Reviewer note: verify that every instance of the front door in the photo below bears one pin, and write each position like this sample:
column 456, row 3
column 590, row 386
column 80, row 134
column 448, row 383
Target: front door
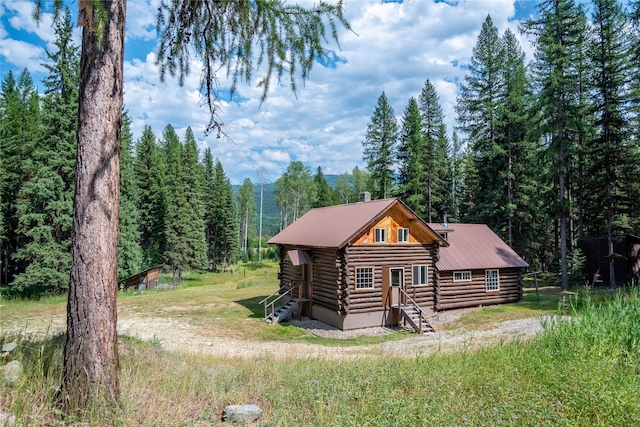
column 396, row 281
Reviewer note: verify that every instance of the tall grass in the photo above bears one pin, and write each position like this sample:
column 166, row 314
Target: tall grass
column 582, row 372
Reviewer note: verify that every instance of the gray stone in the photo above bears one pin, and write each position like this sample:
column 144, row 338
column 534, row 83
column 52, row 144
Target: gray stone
column 7, row 420
column 9, row 347
column 11, row 372
column 241, row 413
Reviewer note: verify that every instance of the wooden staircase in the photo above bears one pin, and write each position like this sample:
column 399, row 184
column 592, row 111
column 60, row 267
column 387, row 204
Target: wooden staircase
column 274, row 313
column 414, row 315
column 283, row 312
column 416, row 318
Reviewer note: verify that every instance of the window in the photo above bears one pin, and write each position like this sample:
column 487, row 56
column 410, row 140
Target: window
column 381, row 235
column 403, row 235
column 364, row 277
column 493, row 280
column 420, row 276
column 461, row 276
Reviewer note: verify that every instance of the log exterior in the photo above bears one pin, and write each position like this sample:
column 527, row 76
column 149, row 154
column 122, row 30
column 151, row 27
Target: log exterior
column 403, row 256
column 458, row 294
column 387, row 236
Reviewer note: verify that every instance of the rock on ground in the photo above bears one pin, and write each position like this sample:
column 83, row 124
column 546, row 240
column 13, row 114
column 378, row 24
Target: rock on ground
column 241, row 413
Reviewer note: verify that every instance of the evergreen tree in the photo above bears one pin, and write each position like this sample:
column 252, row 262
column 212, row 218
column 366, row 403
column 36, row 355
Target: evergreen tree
column 379, row 147
column 224, row 36
column 185, row 223
column 247, row 211
column 229, row 244
column 457, row 178
column 478, row 110
column 435, row 154
column 129, row 250
column 210, row 203
column 609, row 55
column 149, row 169
column 634, row 184
column 518, row 151
column 224, row 217
column 324, row 193
column 45, row 199
column 412, row 159
column 557, row 31
column 19, row 131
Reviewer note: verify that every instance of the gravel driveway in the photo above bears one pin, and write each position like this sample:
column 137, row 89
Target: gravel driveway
column 180, row 336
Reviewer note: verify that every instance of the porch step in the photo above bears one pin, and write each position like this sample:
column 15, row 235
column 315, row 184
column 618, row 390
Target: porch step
column 283, row 312
column 413, row 314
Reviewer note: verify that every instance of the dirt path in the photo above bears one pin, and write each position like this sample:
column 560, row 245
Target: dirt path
column 179, row 336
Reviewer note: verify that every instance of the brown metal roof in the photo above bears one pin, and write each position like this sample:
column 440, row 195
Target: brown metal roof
column 474, row 246
column 335, row 226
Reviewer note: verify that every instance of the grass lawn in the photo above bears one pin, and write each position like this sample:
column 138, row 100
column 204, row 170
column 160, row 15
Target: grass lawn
column 582, row 374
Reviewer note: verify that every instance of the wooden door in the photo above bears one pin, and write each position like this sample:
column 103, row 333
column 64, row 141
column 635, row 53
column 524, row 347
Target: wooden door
column 386, row 302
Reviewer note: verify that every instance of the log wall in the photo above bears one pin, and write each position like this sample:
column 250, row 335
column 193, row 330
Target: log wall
column 393, row 256
column 450, row 294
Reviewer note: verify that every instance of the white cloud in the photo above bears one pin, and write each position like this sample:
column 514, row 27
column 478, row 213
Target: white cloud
column 394, row 47
column 141, row 19
column 23, row 54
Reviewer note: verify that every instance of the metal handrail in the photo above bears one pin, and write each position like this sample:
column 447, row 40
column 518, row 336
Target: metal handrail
column 281, row 295
column 415, row 304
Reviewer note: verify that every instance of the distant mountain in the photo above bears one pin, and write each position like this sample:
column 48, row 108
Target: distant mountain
column 270, row 210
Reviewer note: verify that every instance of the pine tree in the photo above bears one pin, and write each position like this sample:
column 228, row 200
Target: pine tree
column 229, row 243
column 557, row 31
column 247, row 211
column 457, row 177
column 324, row 193
column 185, row 223
column 435, row 155
column 210, row 204
column 478, row 110
column 149, row 168
column 412, row 159
column 129, row 251
column 518, row 151
column 45, row 200
column 224, row 220
column 379, row 147
column 224, row 35
column 19, row 132
column 609, row 57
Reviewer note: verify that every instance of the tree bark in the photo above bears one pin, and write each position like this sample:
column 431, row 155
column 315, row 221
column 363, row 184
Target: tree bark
column 91, row 352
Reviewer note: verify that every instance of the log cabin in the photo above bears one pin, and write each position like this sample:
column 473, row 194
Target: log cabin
column 377, row 263
column 476, row 268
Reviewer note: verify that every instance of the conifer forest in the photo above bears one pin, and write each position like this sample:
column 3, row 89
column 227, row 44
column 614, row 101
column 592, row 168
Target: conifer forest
column 545, row 150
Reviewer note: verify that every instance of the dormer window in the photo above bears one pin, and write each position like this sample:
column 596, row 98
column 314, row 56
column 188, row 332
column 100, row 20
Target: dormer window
column 380, row 235
column 403, row 235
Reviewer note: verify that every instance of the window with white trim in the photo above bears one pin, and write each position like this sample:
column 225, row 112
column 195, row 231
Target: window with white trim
column 364, row 277
column 403, row 235
column 461, row 276
column 419, row 275
column 492, row 278
column 380, row 235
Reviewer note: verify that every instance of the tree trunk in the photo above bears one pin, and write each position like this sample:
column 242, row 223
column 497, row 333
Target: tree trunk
column 91, row 352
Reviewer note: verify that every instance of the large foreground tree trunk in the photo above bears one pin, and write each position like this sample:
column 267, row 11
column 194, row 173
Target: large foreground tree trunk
column 91, row 352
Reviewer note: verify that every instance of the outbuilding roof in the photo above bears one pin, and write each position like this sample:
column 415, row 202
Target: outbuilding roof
column 336, row 226
column 474, row 246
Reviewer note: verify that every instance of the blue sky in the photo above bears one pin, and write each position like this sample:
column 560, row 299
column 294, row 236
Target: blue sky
column 396, row 46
